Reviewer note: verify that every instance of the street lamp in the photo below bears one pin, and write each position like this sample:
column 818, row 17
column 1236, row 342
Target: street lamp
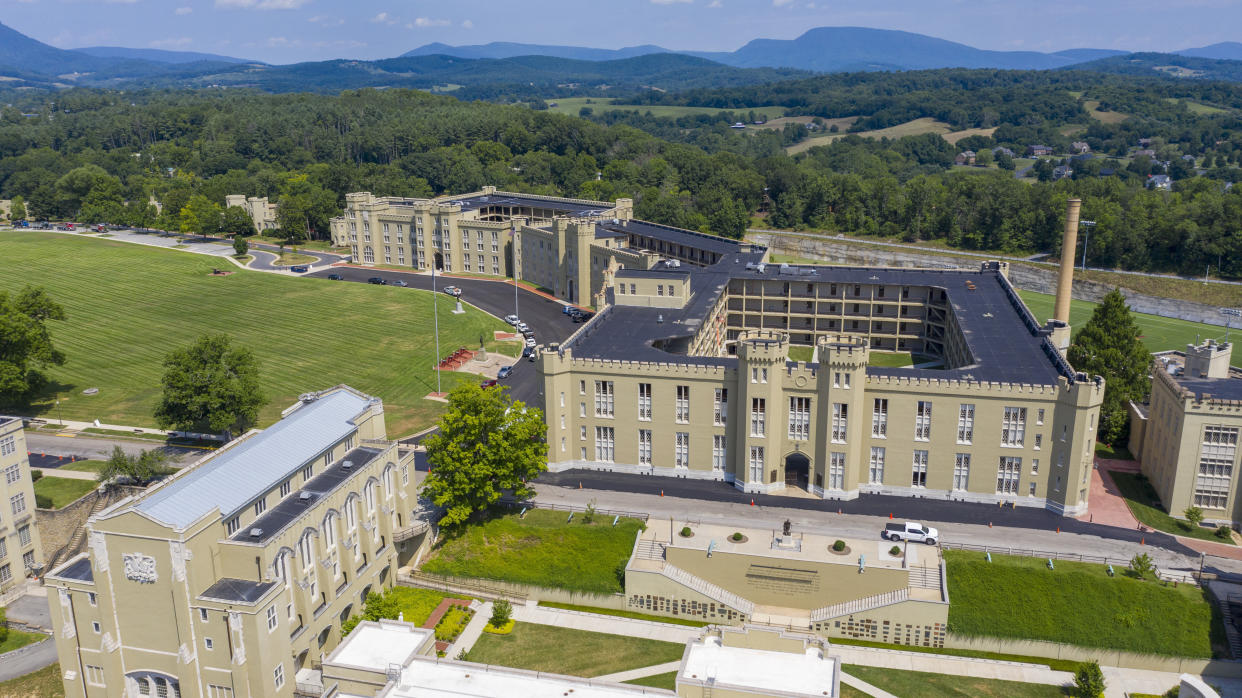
column 435, row 311
column 1088, row 225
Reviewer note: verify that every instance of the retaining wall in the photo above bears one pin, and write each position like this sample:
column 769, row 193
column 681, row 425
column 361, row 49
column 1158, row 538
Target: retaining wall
column 1041, row 279
column 530, row 591
column 1128, row 660
column 57, row 526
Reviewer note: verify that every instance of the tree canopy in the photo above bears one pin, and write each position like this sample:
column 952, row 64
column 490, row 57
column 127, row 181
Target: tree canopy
column 142, row 469
column 26, row 347
column 487, row 444
column 210, row 387
column 1109, row 346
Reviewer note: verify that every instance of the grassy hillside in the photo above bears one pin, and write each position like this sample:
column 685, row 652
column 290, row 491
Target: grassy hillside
column 128, row 306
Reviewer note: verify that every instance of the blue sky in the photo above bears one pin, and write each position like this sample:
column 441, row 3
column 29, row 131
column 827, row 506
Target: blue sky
column 284, row 31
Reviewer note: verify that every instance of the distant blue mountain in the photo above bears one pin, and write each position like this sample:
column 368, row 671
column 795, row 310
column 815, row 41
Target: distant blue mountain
column 505, row 49
column 157, row 55
column 1081, row 55
column 1226, row 50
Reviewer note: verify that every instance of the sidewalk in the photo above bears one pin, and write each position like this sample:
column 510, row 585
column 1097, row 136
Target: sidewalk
column 473, row 630
column 623, row 676
column 612, row 625
column 1106, row 506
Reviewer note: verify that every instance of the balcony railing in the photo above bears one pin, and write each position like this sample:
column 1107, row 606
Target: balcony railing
column 414, row 529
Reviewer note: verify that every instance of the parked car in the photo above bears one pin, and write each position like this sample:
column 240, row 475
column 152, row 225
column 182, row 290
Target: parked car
column 909, row 530
column 521, row 327
column 512, row 319
column 504, row 372
column 334, row 277
column 566, row 310
column 489, row 383
column 453, row 291
column 530, row 341
column 528, row 332
column 69, row 226
column 377, row 280
column 400, row 283
column 299, row 269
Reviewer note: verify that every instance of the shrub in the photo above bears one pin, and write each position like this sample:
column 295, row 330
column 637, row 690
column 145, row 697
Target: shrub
column 42, row 501
column 4, row 629
column 1089, row 680
column 686, row 532
column 838, row 546
column 1194, row 515
column 1142, row 565
column 36, row 475
column 589, row 515
column 1223, row 533
column 895, row 551
column 737, row 536
column 452, row 623
column 502, row 611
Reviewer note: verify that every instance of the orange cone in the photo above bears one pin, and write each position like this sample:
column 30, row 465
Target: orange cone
column 989, row 524
column 661, row 493
column 1142, row 541
column 752, row 501
column 579, row 484
column 890, row 515
column 1058, row 530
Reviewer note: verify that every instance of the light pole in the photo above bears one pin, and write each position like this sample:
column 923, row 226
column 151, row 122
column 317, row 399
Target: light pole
column 1086, row 240
column 435, row 311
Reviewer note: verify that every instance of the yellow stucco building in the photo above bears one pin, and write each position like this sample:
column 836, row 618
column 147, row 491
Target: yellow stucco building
column 20, row 552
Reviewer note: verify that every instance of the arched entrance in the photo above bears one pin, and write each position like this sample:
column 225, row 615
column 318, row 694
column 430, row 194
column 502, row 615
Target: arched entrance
column 571, row 298
column 797, row 470
column 439, row 261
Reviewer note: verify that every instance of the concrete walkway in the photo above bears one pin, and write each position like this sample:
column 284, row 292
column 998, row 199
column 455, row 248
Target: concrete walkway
column 473, row 630
column 613, row 625
column 947, row 664
column 640, row 672
column 865, row 687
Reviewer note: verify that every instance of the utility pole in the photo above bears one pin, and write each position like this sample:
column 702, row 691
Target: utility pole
column 435, row 311
column 1086, row 240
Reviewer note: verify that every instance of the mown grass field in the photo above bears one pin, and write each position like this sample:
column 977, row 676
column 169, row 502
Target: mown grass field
column 675, row 620
column 540, row 549
column 1079, row 604
column 1145, row 504
column 921, row 684
column 44, row 683
column 1158, row 333
column 569, row 651
column 916, row 127
column 129, row 305
column 667, row 681
column 63, row 490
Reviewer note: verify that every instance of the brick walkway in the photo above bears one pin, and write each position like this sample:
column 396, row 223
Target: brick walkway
column 1106, row 505
column 438, row 613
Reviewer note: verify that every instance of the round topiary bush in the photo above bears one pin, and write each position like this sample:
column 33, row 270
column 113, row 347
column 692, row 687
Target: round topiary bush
column 686, row 532
column 838, row 546
column 738, row 536
column 1223, row 533
column 895, row 551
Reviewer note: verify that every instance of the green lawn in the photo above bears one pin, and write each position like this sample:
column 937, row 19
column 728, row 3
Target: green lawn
column 1158, row 333
column 625, row 614
column 1113, row 452
column 129, row 305
column 44, row 683
column 800, row 352
column 18, row 639
column 1145, row 504
column 541, row 549
column 416, row 605
column 573, row 652
column 62, row 490
column 1079, row 604
column 666, row 681
column 920, row 684
column 92, row 466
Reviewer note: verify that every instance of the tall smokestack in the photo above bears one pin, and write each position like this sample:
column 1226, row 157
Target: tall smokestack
column 1069, row 243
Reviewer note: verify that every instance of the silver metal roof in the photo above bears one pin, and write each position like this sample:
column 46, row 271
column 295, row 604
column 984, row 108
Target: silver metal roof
column 233, row 478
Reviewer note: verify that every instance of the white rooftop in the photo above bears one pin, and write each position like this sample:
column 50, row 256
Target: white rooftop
column 239, row 473
column 376, row 646
column 809, row 674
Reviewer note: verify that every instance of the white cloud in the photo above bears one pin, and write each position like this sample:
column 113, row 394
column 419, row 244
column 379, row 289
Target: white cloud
column 467, row 24
column 670, row 2
column 282, row 42
column 340, row 43
column 262, row 4
column 183, row 10
column 781, row 3
column 715, row 4
column 424, row 22
column 326, row 21
column 383, row 18
column 178, row 42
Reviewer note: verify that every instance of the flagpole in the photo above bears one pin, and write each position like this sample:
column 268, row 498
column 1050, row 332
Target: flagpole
column 435, row 311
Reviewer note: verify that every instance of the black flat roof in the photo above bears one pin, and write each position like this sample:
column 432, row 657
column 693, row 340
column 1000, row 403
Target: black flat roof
column 292, row 506
column 677, row 236
column 236, row 590
column 1216, row 388
column 80, row 569
column 575, row 208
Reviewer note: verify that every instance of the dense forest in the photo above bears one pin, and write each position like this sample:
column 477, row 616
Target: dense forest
column 103, row 155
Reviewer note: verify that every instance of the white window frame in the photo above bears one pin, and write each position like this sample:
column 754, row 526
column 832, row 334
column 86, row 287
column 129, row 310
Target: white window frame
column 918, row 470
column 965, row 423
column 879, row 418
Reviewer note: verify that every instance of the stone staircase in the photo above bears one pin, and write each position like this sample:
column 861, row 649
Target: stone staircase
column 77, row 541
column 1231, row 609
column 706, row 588
column 925, row 577
column 649, row 550
column 859, row 605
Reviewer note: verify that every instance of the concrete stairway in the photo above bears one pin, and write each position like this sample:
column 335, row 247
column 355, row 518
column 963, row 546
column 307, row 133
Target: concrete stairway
column 706, row 588
column 859, row 605
column 925, row 577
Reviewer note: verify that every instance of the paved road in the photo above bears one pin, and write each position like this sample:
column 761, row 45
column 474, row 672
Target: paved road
column 51, row 447
column 546, row 317
column 32, row 609
column 265, row 257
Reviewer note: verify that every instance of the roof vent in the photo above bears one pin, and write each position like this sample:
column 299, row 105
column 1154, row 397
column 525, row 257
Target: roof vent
column 256, row 532
column 306, row 397
column 347, row 464
column 304, row 495
column 660, row 318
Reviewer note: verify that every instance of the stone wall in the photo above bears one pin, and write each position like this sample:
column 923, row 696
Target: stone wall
column 1129, row 660
column 58, row 526
column 1030, row 277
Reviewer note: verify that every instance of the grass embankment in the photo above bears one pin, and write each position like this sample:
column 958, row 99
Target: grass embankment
column 1112, row 452
column 291, row 258
column 62, row 490
column 18, row 639
column 625, row 614
column 666, row 681
column 415, row 605
column 569, row 651
column 1054, row 664
column 44, row 683
column 540, row 549
column 1079, row 604
column 129, row 305
column 1145, row 504
column 921, row 684
column 1158, row 333
column 317, row 245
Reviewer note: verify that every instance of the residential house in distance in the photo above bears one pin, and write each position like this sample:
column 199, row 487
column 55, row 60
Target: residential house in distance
column 1001, row 150
column 1037, row 150
column 233, row 575
column 20, row 551
column 261, row 211
column 1159, row 181
column 1061, row 172
column 1148, row 152
column 1144, row 142
column 966, row 157
column 1080, row 147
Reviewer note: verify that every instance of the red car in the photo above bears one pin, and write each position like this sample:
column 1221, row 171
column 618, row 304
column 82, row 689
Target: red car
column 489, row 383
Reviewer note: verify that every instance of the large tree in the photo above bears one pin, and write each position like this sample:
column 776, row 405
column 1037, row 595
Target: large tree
column 142, row 469
column 26, row 343
column 210, row 387
column 200, row 215
column 237, row 222
column 487, row 444
column 1108, row 345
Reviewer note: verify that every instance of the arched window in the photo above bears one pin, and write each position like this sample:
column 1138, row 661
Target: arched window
column 329, row 530
column 351, row 513
column 369, row 492
column 280, row 567
column 388, row 481
column 306, row 550
column 154, row 685
column 368, row 255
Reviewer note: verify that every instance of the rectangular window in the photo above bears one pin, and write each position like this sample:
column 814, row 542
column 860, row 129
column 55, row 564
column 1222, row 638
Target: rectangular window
column 285, row 488
column 232, row 525
column 800, row 418
column 720, row 414
column 260, row 507
column 644, row 402
column 582, row 433
column 272, row 619
column 202, row 614
column 644, row 447
column 12, row 473
column 1039, row 416
column 918, row 477
column 965, row 423
column 836, row 471
column 840, row 422
column 1039, row 441
column 278, row 675
column 605, row 444
column 1007, row 475
column 922, row 421
column 5, row 574
column 214, row 691
column 308, row 471
column 18, row 503
column 682, row 450
column 682, row 406
column 879, row 419
column 603, row 398
column 718, row 452
column 4, row 547
column 1013, row 426
column 756, row 465
column 1216, row 457
column 758, row 417
column 23, row 535
column 875, row 473
column 8, row 445
column 94, row 675
column 961, row 472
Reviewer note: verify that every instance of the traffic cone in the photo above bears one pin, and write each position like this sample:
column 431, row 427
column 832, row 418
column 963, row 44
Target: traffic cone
column 1058, row 530
column 890, row 515
column 579, row 484
column 989, row 524
column 1142, row 541
column 752, row 501
column 661, row 493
